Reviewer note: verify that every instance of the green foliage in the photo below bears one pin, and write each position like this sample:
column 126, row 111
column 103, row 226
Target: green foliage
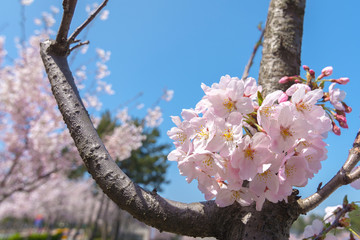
column 147, row 165
column 355, row 220
column 34, row 236
column 16, row 236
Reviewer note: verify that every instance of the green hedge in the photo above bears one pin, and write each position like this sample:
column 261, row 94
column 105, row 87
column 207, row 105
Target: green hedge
column 34, row 236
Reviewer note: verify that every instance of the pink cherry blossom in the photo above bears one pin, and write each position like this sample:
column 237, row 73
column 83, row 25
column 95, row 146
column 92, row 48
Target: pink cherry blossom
column 153, row 117
column 285, row 131
column 336, row 97
column 314, row 229
column 226, row 197
column 251, row 156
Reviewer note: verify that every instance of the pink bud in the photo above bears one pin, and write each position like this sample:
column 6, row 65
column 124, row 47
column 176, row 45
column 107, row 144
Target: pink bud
column 342, row 81
column 327, row 71
column 284, row 79
column 312, row 72
column 342, row 120
column 336, row 129
column 306, row 67
column 283, row 98
column 343, row 125
column 348, row 109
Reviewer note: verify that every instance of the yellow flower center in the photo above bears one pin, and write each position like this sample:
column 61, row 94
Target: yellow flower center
column 285, row 132
column 264, row 176
column 249, row 152
column 228, row 135
column 203, row 133
column 181, row 137
column 236, row 195
column 266, row 111
column 302, row 107
column 229, row 105
column 290, row 170
column 208, row 162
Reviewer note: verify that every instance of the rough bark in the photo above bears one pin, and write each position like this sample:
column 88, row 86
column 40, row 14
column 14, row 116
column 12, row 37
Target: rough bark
column 282, row 43
column 196, row 219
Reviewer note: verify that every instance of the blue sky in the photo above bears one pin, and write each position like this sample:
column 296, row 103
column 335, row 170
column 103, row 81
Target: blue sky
column 179, row 44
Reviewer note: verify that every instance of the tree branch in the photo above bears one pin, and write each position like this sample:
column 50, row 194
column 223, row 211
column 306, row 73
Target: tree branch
column 336, row 223
column 87, row 21
column 343, row 177
column 62, row 43
column 194, row 219
column 250, row 62
column 355, row 175
column 28, row 186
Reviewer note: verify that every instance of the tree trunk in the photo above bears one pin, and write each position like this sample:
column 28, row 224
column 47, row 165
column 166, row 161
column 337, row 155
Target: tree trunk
column 282, row 43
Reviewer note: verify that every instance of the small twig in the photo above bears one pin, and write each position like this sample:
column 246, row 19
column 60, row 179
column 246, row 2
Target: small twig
column 87, row 21
column 250, row 62
column 79, row 45
column 319, row 187
column 336, row 223
column 28, row 186
column 22, row 26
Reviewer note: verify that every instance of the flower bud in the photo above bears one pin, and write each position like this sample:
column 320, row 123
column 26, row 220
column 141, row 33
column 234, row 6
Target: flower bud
column 342, row 81
column 306, row 67
column 348, row 109
column 342, row 120
column 343, row 125
column 312, row 72
column 327, row 71
column 284, row 79
column 336, row 129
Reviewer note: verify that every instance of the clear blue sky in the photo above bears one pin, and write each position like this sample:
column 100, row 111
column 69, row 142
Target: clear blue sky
column 179, row 44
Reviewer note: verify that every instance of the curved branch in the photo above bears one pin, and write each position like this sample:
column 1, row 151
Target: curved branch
column 87, row 21
column 250, row 62
column 282, row 43
column 195, row 219
column 343, row 177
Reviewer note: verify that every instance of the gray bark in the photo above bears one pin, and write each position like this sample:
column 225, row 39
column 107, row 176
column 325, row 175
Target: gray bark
column 282, row 43
column 202, row 219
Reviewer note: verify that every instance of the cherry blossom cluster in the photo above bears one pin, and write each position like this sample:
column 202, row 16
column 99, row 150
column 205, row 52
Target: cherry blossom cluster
column 246, row 148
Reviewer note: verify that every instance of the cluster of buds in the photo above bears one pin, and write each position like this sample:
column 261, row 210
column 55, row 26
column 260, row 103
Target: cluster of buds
column 335, row 96
column 246, row 148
